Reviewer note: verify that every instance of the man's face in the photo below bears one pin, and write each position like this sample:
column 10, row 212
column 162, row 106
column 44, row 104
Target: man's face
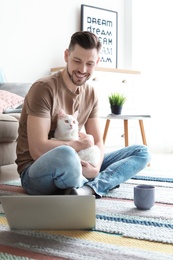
column 81, row 64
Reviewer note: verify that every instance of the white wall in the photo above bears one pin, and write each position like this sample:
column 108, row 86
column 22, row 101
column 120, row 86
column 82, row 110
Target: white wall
column 35, row 33
column 152, row 54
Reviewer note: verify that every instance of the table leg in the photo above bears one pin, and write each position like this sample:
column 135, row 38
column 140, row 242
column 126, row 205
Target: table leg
column 126, row 134
column 143, row 132
column 106, row 129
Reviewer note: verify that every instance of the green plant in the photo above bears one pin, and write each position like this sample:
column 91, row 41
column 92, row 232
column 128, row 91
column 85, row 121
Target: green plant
column 117, row 99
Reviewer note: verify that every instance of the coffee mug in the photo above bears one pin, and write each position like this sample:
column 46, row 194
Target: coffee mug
column 144, row 196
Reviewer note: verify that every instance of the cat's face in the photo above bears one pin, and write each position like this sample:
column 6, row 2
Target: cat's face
column 67, row 122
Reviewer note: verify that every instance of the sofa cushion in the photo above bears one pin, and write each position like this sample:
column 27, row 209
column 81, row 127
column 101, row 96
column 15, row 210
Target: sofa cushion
column 8, row 136
column 8, row 128
column 8, row 153
column 9, row 100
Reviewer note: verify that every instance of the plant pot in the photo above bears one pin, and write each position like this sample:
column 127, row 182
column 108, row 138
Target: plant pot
column 116, row 109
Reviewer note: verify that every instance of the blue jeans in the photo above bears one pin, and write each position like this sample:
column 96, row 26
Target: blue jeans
column 60, row 169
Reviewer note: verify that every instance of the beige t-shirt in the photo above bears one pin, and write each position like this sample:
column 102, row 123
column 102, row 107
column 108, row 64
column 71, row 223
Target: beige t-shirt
column 44, row 99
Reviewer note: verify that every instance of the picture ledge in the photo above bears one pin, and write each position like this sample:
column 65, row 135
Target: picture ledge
column 53, row 70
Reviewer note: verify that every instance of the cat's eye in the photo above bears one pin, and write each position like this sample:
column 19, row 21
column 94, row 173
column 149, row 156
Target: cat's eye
column 74, row 122
column 66, row 121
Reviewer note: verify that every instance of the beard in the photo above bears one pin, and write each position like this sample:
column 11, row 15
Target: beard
column 77, row 82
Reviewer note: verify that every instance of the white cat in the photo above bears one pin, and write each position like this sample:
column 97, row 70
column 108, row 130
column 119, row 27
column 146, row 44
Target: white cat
column 67, row 129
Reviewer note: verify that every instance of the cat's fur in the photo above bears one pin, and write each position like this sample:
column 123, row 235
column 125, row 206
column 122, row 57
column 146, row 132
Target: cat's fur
column 67, row 129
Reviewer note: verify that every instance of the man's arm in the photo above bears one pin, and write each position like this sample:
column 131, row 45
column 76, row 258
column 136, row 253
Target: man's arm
column 38, row 129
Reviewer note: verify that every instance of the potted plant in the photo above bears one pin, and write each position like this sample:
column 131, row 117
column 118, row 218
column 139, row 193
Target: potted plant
column 116, row 101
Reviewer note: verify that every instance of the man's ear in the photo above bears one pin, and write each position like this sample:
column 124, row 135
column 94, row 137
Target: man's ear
column 66, row 54
column 97, row 61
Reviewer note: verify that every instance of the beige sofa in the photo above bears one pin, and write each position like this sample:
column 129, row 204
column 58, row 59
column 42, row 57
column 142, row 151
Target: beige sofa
column 9, row 122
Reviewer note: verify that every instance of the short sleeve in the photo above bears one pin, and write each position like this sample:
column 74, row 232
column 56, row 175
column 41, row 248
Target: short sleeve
column 39, row 100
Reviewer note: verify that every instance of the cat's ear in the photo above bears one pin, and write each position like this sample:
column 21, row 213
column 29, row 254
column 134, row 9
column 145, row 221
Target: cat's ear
column 75, row 115
column 61, row 113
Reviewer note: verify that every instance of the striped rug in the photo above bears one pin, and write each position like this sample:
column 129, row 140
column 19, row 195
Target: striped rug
column 78, row 245
column 121, row 232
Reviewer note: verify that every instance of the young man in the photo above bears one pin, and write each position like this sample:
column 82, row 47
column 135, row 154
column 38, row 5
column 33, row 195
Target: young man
column 48, row 166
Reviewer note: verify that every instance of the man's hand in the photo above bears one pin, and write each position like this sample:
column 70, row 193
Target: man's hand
column 85, row 140
column 88, row 170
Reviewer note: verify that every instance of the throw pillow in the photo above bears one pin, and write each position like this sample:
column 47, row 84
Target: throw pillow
column 9, row 100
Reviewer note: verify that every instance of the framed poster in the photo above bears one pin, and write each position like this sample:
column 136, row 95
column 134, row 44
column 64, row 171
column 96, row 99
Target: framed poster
column 104, row 24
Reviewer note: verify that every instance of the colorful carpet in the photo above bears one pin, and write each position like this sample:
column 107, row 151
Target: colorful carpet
column 121, row 232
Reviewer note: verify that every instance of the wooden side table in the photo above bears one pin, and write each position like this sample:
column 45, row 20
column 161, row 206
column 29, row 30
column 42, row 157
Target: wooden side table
column 126, row 118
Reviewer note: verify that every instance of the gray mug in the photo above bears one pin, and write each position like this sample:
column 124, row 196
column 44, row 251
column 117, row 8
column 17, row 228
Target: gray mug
column 144, row 196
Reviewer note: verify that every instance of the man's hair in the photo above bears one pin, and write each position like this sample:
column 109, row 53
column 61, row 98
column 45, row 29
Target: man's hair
column 86, row 40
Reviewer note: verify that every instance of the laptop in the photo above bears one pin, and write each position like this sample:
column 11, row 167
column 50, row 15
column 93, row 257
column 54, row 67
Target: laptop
column 49, row 212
